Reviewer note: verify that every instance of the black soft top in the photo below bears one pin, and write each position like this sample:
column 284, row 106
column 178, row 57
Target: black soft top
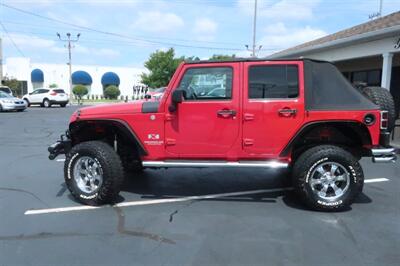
column 325, row 87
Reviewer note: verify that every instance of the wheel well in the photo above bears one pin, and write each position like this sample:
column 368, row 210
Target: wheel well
column 352, row 136
column 115, row 133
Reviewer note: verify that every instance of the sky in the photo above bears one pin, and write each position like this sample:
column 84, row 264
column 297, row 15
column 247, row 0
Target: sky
column 125, row 32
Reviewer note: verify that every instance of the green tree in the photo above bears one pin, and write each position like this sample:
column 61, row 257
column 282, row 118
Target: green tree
column 53, row 86
column 221, row 57
column 14, row 84
column 80, row 91
column 112, row 92
column 161, row 66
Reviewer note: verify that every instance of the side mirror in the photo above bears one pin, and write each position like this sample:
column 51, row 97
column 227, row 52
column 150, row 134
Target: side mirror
column 177, row 97
column 30, row 93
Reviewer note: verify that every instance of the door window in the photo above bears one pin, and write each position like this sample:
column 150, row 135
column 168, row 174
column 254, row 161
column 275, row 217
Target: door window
column 273, row 82
column 207, row 83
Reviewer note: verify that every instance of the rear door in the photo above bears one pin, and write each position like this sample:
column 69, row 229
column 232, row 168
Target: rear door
column 205, row 125
column 273, row 106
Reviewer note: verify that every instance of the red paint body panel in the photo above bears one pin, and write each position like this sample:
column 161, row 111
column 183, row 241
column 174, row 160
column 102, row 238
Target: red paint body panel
column 195, row 131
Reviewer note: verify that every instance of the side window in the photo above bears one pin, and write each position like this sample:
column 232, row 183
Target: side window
column 273, row 82
column 207, row 83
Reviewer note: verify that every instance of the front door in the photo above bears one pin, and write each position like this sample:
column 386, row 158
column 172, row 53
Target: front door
column 205, row 125
column 273, row 106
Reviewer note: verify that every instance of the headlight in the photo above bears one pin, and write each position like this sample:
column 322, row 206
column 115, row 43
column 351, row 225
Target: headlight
column 7, row 101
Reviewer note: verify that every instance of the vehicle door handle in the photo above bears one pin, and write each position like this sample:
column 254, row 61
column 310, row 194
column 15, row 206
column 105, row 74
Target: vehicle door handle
column 287, row 112
column 225, row 113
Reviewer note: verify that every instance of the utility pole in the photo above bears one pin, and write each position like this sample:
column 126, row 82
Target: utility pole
column 68, row 40
column 380, row 8
column 254, row 29
column 254, row 46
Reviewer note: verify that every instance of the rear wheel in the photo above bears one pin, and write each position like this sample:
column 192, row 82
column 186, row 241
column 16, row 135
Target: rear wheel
column 327, row 178
column 63, row 104
column 1, row 108
column 93, row 173
column 384, row 99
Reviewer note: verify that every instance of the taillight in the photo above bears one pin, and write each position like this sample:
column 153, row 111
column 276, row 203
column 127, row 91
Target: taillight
column 384, row 119
column 53, row 93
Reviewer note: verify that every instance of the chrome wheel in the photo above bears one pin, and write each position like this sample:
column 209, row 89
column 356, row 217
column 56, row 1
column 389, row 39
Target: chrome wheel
column 88, row 174
column 46, row 103
column 329, row 181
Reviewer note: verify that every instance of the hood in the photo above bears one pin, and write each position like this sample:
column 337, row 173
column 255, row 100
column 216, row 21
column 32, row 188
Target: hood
column 12, row 98
column 116, row 108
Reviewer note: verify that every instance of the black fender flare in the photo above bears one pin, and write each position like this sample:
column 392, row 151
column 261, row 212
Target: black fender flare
column 122, row 126
column 362, row 130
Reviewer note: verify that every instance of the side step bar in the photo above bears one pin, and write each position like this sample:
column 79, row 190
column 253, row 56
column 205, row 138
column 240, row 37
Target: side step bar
column 383, row 155
column 205, row 164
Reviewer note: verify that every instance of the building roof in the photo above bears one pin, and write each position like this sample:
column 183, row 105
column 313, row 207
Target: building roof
column 375, row 25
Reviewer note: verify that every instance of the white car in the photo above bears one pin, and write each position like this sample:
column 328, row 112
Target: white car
column 6, row 90
column 47, row 97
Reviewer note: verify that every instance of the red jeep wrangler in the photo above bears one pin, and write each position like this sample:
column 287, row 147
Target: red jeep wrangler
column 300, row 114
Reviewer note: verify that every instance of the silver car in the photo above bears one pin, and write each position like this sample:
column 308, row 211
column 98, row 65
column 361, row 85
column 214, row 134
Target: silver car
column 10, row 103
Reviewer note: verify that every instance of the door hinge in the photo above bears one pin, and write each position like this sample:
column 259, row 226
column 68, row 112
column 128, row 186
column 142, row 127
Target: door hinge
column 248, row 142
column 169, row 117
column 170, row 142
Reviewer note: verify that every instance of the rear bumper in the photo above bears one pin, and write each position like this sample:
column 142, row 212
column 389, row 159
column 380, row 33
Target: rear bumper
column 383, row 155
column 59, row 101
column 62, row 146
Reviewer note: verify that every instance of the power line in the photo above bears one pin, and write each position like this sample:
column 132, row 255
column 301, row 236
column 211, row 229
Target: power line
column 118, row 34
column 11, row 39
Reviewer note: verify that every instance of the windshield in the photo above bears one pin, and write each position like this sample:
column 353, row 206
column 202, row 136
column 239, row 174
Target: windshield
column 5, row 95
column 5, row 89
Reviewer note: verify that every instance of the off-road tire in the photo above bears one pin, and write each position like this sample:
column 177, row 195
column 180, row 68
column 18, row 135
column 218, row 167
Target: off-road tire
column 311, row 160
column 48, row 105
column 28, row 104
column 384, row 99
column 110, row 164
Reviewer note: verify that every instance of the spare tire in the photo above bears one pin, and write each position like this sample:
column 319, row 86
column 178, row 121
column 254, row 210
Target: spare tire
column 384, row 99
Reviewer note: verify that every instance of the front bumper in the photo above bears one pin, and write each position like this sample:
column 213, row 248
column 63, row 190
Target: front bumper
column 62, row 146
column 13, row 106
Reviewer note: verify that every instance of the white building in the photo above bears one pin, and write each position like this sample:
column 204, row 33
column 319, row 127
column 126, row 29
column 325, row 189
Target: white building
column 369, row 52
column 34, row 75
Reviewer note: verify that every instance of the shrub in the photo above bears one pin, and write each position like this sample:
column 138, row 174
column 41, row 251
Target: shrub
column 112, row 92
column 79, row 91
column 53, row 86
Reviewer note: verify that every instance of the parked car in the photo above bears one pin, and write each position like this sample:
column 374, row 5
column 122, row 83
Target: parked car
column 155, row 93
column 300, row 115
column 47, row 97
column 11, row 103
column 6, row 90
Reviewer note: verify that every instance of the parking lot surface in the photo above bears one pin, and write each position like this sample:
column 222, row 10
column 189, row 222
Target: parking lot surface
column 246, row 218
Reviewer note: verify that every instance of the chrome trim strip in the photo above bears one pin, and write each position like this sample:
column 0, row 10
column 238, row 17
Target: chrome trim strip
column 264, row 164
column 384, row 155
column 384, row 151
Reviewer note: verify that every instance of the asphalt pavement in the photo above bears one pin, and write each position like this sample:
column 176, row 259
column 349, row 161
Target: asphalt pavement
column 239, row 217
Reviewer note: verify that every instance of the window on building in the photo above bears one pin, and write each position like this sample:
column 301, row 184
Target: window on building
column 207, row 83
column 370, row 77
column 273, row 82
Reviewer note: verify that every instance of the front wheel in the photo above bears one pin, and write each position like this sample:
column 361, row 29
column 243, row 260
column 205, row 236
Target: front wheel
column 93, row 173
column 327, row 178
column 46, row 103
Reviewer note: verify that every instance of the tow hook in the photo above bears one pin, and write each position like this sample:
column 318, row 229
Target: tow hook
column 62, row 146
